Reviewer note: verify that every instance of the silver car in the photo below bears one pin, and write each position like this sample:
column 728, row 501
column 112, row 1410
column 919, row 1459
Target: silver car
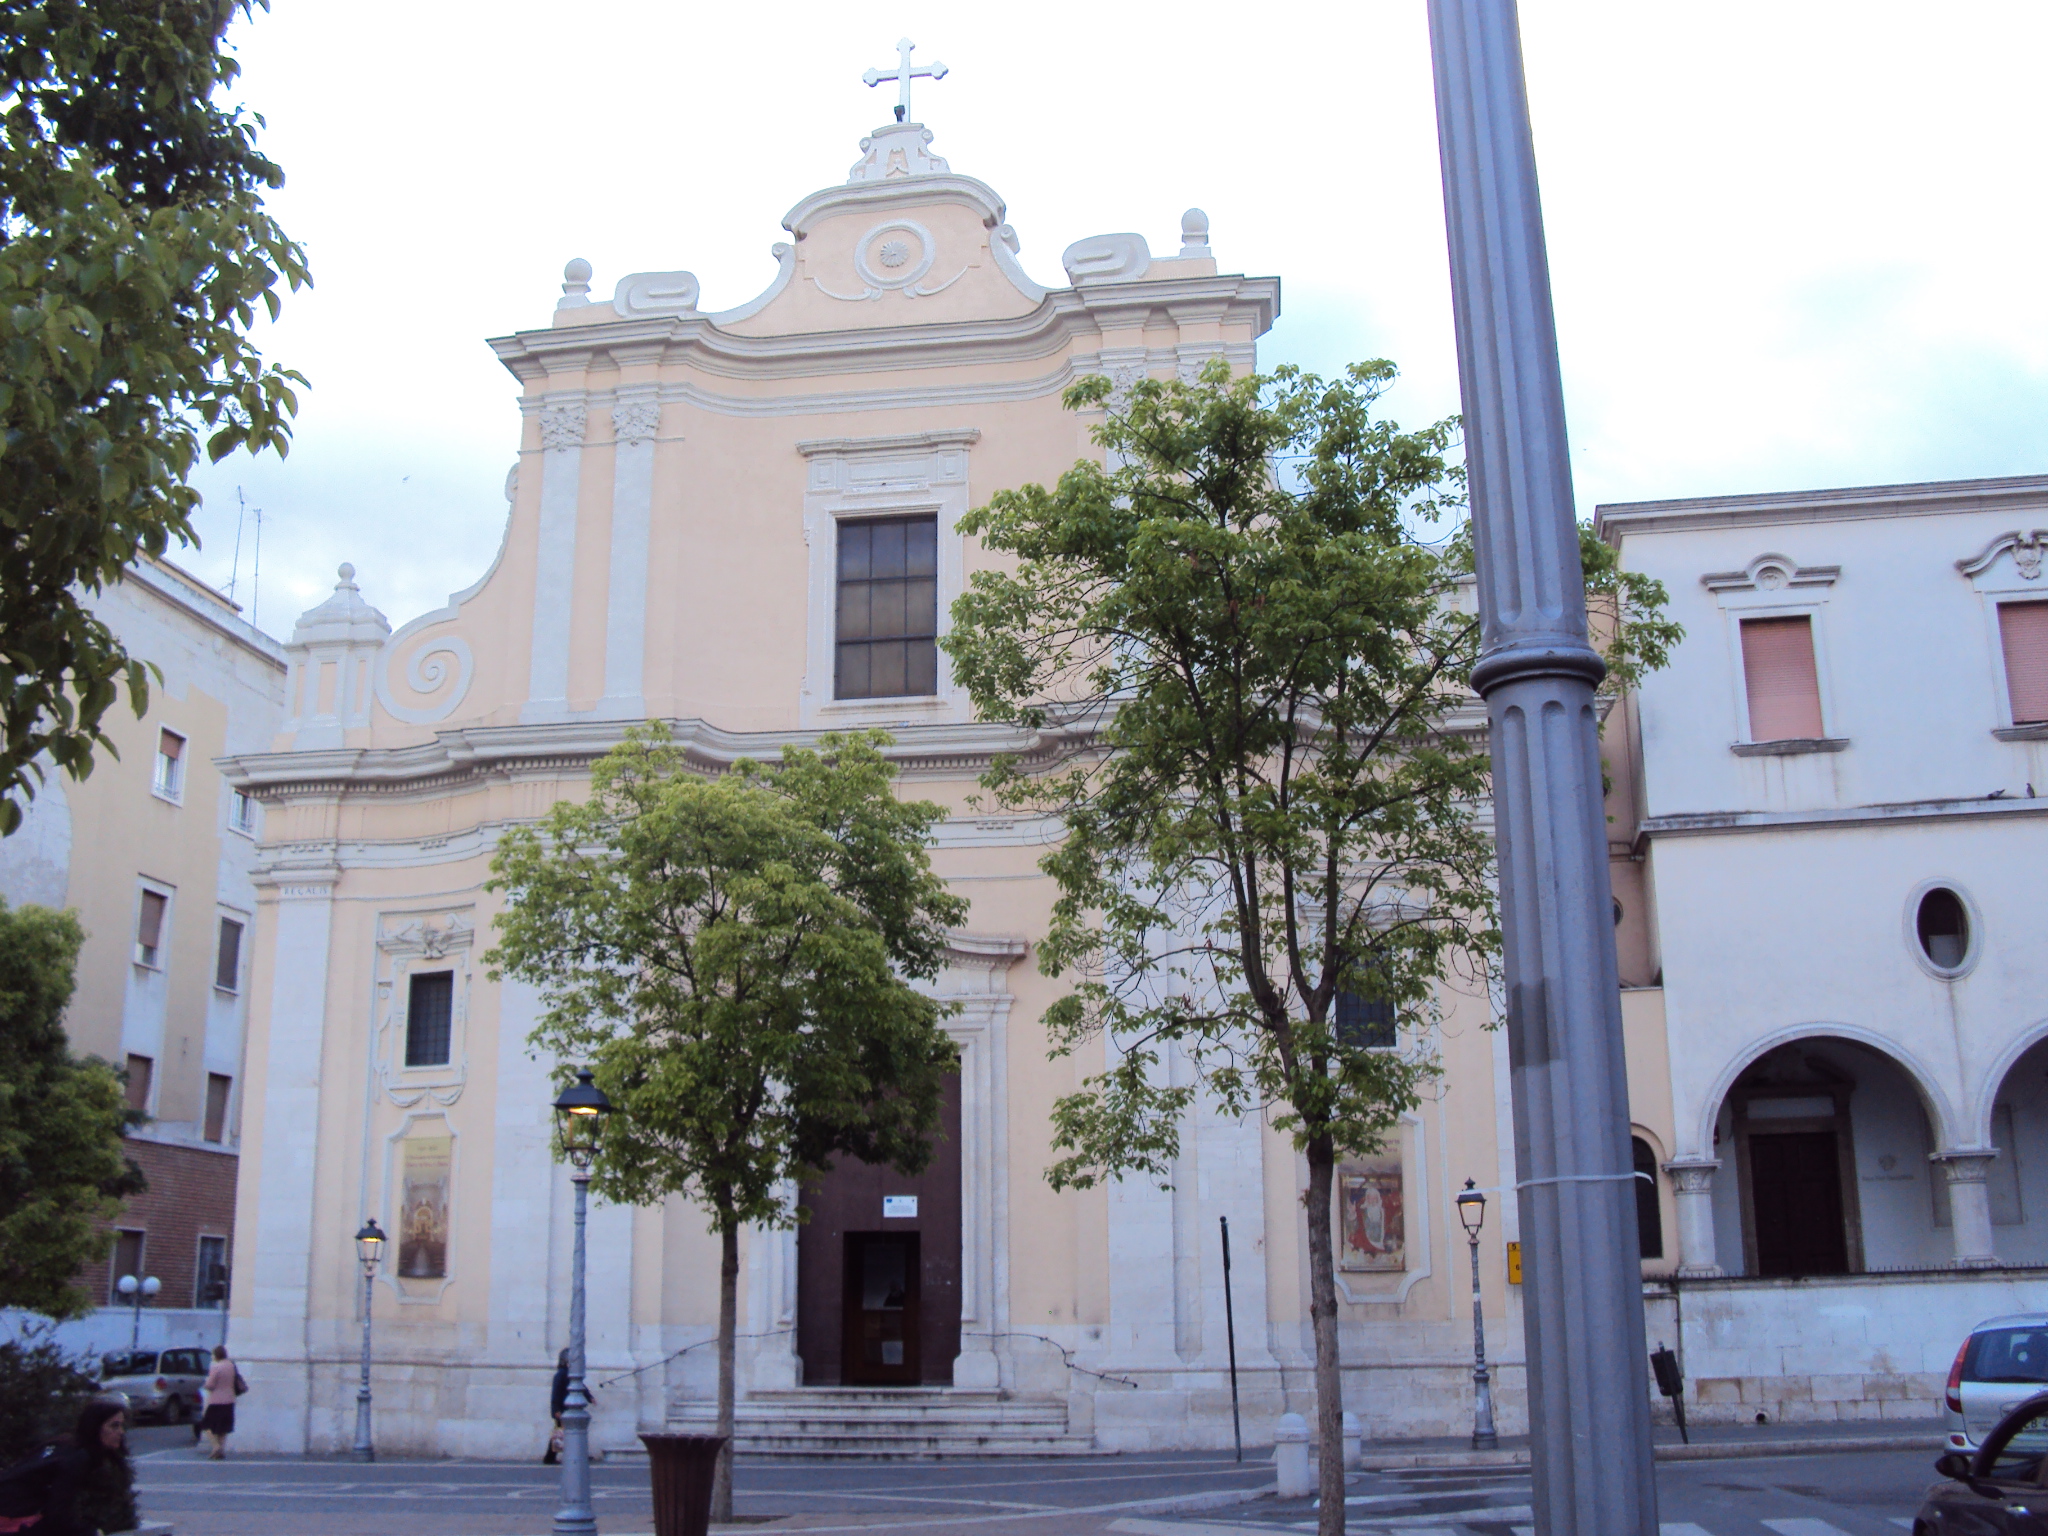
column 169, row 1382
column 2002, row 1363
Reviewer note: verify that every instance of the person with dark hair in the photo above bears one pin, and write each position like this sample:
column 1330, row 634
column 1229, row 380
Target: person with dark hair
column 75, row 1482
column 223, row 1386
column 558, row 1398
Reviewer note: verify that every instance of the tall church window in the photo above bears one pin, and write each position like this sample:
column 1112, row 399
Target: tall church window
column 2023, row 627
column 1649, row 1215
column 1783, row 684
column 888, row 617
column 429, row 1011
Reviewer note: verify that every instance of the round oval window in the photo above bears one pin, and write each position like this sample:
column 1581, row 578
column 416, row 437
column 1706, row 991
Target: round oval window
column 1944, row 926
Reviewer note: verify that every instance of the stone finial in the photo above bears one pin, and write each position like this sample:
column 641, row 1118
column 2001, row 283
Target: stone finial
column 347, row 573
column 1194, row 233
column 575, row 285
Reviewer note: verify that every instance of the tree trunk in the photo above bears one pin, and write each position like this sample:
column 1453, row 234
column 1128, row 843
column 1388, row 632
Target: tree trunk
column 1322, row 1311
column 728, row 1327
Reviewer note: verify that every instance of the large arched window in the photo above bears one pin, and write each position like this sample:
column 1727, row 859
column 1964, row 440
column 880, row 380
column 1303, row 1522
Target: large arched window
column 1649, row 1215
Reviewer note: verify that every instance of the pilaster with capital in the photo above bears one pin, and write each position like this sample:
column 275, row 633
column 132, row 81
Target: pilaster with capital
column 1969, row 1203
column 1692, row 1187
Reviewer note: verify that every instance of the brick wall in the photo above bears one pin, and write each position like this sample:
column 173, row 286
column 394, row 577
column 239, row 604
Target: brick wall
column 191, row 1194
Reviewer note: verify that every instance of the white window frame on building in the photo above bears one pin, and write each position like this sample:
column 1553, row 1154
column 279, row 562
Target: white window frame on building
column 167, row 780
column 232, row 985
column 214, row 1128
column 2008, row 570
column 1775, row 586
column 241, row 813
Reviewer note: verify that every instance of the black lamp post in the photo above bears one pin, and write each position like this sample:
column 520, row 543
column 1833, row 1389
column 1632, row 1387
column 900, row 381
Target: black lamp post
column 579, row 1120
column 139, row 1290
column 1472, row 1212
column 369, row 1251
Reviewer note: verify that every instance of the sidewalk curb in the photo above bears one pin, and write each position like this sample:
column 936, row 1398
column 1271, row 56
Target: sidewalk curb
column 1704, row 1450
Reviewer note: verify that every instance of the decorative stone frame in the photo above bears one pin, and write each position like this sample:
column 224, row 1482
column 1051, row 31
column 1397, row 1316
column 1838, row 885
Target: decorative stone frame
column 420, row 941
column 1910, row 921
column 416, row 1292
column 1740, row 1099
column 1776, row 587
column 855, row 478
column 2008, row 569
column 1421, row 1236
column 976, row 982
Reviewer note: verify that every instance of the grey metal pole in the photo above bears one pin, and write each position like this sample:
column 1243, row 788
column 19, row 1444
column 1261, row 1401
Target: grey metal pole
column 575, row 1517
column 365, row 1451
column 1230, row 1333
column 1483, row 1436
column 1589, row 1411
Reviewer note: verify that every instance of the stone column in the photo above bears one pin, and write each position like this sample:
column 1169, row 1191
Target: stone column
column 1692, row 1187
column 1969, row 1203
column 562, row 424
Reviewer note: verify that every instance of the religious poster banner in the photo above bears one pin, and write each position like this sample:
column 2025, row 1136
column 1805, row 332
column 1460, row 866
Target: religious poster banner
column 423, row 1218
column 1370, row 1212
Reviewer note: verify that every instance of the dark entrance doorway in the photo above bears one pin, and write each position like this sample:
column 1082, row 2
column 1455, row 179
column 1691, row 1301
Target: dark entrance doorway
column 878, row 1270
column 879, row 1345
column 1795, row 1182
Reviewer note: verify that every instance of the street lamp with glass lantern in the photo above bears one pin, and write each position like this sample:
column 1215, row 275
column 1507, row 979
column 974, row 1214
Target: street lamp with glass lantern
column 579, row 1119
column 128, row 1285
column 1472, row 1212
column 369, row 1251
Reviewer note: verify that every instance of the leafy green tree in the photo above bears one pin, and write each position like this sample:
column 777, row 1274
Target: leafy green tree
column 63, row 1170
column 733, row 958
column 134, row 250
column 1273, row 848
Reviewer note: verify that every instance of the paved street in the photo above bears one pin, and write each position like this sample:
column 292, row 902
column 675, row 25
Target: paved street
column 1868, row 1493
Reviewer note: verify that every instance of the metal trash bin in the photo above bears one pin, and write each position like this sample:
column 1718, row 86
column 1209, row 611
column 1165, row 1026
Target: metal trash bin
column 682, row 1467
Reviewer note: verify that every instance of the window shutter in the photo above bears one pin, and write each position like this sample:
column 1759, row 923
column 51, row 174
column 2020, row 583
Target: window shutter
column 2024, row 629
column 172, row 746
column 1784, row 688
column 150, row 932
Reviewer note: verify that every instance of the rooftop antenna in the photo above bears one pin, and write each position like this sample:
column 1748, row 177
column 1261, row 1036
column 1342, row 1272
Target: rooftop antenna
column 235, row 565
column 256, row 578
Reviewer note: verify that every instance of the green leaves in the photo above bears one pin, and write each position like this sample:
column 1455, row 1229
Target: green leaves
column 133, row 249
column 733, row 957
column 62, row 1167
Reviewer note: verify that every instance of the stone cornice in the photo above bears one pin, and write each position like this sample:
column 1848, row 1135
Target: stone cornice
column 1715, row 823
column 1065, row 317
column 2010, row 495
column 476, row 753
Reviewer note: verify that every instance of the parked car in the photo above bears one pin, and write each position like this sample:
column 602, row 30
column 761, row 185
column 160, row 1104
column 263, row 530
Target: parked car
column 1999, row 1489
column 2002, row 1363
column 168, row 1382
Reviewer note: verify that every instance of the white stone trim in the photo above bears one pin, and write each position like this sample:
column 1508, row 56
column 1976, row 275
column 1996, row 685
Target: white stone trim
column 1421, row 1235
column 1707, row 1110
column 1774, row 587
column 1999, row 574
column 636, row 419
column 388, row 1205
column 562, row 425
column 420, row 939
column 848, row 479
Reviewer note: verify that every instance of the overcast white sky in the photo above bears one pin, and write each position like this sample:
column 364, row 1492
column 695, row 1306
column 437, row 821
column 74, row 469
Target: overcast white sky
column 1793, row 245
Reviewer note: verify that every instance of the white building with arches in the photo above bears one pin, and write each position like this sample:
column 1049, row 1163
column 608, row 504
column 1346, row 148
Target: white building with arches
column 1832, row 874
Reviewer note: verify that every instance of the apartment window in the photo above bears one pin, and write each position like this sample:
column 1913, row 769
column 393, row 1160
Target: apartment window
column 140, row 1072
column 2023, row 627
column 428, row 1010
column 170, row 765
column 210, row 1279
column 1364, row 1022
column 127, row 1261
column 888, row 623
column 227, row 958
column 1784, row 687
column 242, row 814
column 218, row 1087
column 149, row 928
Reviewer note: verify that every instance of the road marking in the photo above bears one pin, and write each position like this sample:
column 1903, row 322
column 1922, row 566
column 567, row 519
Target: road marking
column 1902, row 1522
column 1682, row 1528
column 1805, row 1527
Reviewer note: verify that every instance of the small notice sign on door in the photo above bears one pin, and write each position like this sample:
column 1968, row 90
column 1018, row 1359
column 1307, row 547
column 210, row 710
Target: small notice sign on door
column 898, row 1205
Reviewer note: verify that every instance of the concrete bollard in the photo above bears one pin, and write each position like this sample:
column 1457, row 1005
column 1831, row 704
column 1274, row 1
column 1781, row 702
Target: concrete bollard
column 1290, row 1457
column 1354, row 1439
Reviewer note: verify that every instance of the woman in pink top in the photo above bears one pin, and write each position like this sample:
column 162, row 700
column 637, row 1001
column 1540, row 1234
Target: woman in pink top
column 219, row 1421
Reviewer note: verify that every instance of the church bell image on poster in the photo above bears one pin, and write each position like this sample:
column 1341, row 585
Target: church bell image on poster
column 1370, row 1210
column 423, row 1220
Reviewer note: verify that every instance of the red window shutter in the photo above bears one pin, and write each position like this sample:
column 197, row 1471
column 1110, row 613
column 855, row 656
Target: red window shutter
column 1784, row 689
column 151, row 928
column 2024, row 629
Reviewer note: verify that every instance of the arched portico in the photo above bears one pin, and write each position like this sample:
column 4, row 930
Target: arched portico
column 1828, row 1150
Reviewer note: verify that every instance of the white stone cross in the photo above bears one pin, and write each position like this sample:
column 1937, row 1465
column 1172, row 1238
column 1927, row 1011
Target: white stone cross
column 905, row 73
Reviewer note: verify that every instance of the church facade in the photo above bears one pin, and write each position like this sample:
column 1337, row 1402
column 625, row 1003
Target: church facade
column 743, row 522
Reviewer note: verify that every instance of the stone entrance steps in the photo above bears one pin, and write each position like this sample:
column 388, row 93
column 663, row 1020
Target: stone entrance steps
column 896, row 1423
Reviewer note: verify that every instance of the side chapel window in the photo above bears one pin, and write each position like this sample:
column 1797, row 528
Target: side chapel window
column 888, row 623
column 1649, row 1215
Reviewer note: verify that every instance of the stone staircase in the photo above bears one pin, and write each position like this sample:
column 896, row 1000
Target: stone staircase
column 895, row 1423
